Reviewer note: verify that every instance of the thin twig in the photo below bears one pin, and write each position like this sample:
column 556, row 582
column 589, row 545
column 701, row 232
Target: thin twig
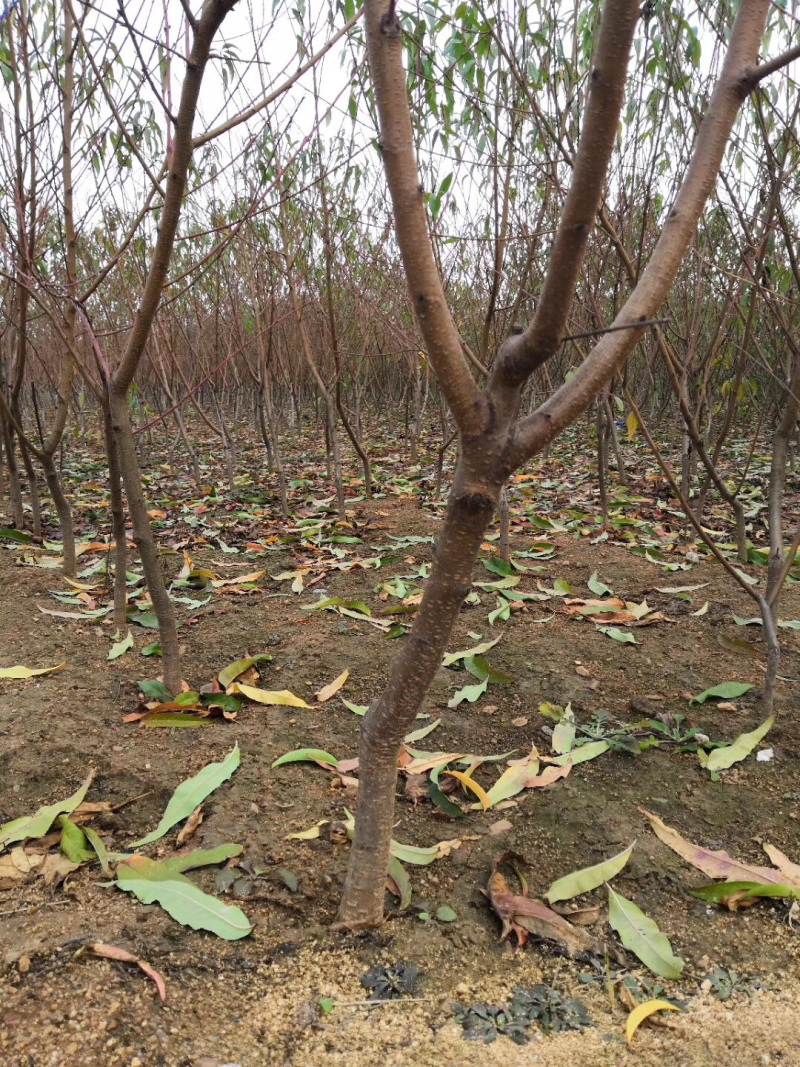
column 614, row 329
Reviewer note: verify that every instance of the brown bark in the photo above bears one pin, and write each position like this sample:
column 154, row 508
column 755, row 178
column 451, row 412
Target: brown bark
column 493, row 444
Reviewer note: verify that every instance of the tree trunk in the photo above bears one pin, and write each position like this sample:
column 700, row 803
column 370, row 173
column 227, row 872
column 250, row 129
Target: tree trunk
column 468, row 514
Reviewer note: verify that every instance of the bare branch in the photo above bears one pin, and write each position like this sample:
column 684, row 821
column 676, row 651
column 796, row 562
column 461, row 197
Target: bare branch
column 282, row 88
column 520, row 356
column 385, row 50
column 610, row 353
column 771, row 66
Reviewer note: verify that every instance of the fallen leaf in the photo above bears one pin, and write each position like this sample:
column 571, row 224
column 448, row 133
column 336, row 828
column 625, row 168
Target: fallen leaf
column 716, row 864
column 725, row 690
column 330, row 690
column 111, row 952
column 233, row 670
column 299, row 755
column 311, row 834
column 191, row 793
column 120, row 647
column 642, row 1012
column 37, row 825
column 588, row 878
column 473, row 787
column 783, row 863
column 721, row 758
column 641, row 935
column 56, row 867
column 153, row 882
column 264, row 696
column 243, row 579
column 29, row 672
column 190, row 827
column 736, row 895
column 522, row 916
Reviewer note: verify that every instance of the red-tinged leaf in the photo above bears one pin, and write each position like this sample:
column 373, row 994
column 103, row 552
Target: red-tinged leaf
column 111, row 952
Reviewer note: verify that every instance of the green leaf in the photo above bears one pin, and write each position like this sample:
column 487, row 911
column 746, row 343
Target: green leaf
column 357, row 709
column 73, row 841
column 423, row 731
column 642, row 936
column 154, row 883
column 479, row 668
column 155, row 690
column 581, row 754
column 172, row 719
column 588, row 878
column 37, row 825
column 399, row 876
column 442, row 802
column 316, row 755
column 721, row 758
column 721, row 891
column 202, row 857
column 446, row 914
column 469, row 693
column 191, row 793
column 723, row 691
column 144, row 618
column 102, row 854
column 564, row 733
column 153, row 649
column 616, row 634
column 16, row 535
column 233, row 670
column 502, row 611
column 121, row 647
column 478, row 650
column 414, row 854
column 597, row 587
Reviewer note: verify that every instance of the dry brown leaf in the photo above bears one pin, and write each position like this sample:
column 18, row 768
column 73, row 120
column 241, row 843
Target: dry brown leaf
column 716, row 864
column 111, row 952
column 56, row 867
column 783, row 863
column 17, row 867
column 500, row 827
column 189, row 828
column 587, row 916
column 547, row 777
column 330, row 690
column 419, row 766
column 522, row 916
column 219, row 583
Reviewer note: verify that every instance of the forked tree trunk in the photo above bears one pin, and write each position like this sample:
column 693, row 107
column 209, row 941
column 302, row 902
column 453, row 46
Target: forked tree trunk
column 493, row 441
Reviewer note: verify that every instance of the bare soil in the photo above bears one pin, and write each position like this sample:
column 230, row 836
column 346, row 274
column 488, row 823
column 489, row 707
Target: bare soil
column 255, row 1001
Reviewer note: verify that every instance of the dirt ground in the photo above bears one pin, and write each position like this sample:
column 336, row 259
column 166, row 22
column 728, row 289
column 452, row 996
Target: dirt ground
column 256, row 1001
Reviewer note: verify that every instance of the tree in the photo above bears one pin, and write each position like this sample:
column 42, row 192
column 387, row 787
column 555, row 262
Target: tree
column 494, row 440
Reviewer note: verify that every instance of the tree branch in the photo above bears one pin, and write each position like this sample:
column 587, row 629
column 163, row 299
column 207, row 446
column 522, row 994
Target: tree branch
column 282, row 88
column 521, row 355
column 442, row 340
column 610, row 353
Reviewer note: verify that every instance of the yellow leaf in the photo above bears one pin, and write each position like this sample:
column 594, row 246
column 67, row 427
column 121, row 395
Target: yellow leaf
column 329, row 690
column 307, row 835
column 264, row 696
column 701, row 611
column 642, row 1012
column 29, row 672
column 633, row 425
column 468, row 783
column 218, row 583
